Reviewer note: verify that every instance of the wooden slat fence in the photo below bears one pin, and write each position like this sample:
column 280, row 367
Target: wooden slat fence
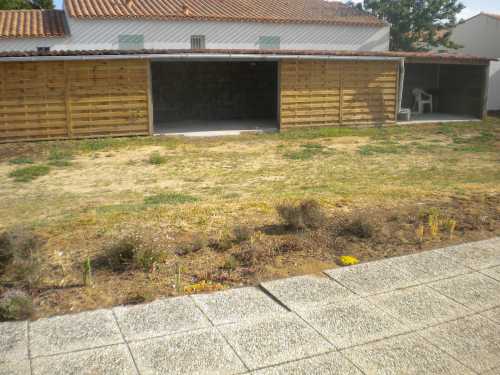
column 325, row 93
column 47, row 100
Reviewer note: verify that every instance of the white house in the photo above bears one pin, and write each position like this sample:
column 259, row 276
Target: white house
column 218, row 24
column 480, row 36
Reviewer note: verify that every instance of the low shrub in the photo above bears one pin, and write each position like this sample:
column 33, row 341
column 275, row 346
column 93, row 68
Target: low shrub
column 15, row 305
column 130, row 253
column 242, row 233
column 169, row 198
column 120, row 255
column 27, row 174
column 157, row 159
column 197, row 243
column 360, row 227
column 19, row 255
column 306, row 215
column 221, row 243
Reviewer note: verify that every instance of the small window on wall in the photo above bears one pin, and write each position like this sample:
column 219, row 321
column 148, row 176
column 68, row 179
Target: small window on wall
column 127, row 42
column 269, row 42
column 197, row 41
column 43, row 49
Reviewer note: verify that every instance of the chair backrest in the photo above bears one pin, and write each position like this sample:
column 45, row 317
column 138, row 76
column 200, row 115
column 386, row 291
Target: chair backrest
column 417, row 93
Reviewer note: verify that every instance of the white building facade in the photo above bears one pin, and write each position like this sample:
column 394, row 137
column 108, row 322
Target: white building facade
column 480, row 36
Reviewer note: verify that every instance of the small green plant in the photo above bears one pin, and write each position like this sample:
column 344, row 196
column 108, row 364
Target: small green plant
column 15, row 305
column 146, row 258
column 450, row 226
column 87, row 272
column 433, row 222
column 169, row 198
column 231, row 264
column 305, row 215
column 197, row 243
column 419, row 233
column 178, row 278
column 21, row 160
column 157, row 159
column 241, row 233
column 30, row 173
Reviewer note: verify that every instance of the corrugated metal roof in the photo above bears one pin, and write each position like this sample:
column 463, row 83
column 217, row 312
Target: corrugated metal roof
column 411, row 56
column 303, row 11
column 32, row 23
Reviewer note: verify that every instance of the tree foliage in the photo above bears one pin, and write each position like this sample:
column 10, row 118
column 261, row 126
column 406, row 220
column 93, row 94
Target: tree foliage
column 26, row 4
column 417, row 25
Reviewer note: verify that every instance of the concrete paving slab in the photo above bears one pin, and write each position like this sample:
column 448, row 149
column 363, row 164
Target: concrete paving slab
column 304, row 292
column 236, row 305
column 109, row 360
column 419, row 306
column 476, row 291
column 372, row 278
column 200, row 352
column 476, row 255
column 14, row 367
column 68, row 333
column 13, row 341
column 429, row 266
column 493, row 314
column 407, row 354
column 352, row 322
column 326, row 364
column 159, row 318
column 474, row 340
column 492, row 272
column 274, row 340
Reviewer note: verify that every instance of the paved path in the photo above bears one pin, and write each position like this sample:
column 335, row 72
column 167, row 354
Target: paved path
column 432, row 313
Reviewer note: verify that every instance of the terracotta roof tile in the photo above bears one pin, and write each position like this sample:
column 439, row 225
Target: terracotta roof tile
column 299, row 11
column 32, row 23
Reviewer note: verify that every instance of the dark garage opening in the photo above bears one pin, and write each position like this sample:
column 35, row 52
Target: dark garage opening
column 458, row 91
column 207, row 96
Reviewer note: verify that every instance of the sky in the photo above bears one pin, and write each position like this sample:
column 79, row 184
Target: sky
column 473, row 7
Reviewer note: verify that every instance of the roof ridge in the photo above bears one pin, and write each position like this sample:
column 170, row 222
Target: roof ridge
column 279, row 11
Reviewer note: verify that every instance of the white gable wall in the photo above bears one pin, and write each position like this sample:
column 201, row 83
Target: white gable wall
column 480, row 36
column 103, row 34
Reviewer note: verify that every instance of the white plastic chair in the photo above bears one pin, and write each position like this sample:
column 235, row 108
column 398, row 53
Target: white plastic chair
column 421, row 99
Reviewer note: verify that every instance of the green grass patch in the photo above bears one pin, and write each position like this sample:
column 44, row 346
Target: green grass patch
column 157, row 159
column 383, row 148
column 170, row 198
column 60, row 157
column 21, row 160
column 30, row 173
column 307, row 151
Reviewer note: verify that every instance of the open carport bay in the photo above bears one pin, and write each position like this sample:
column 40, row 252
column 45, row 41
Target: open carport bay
column 201, row 96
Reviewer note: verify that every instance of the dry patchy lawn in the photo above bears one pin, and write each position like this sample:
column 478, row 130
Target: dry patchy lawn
column 82, row 196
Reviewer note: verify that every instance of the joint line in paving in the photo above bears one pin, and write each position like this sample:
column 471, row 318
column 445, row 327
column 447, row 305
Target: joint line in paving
column 28, row 344
column 125, row 341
